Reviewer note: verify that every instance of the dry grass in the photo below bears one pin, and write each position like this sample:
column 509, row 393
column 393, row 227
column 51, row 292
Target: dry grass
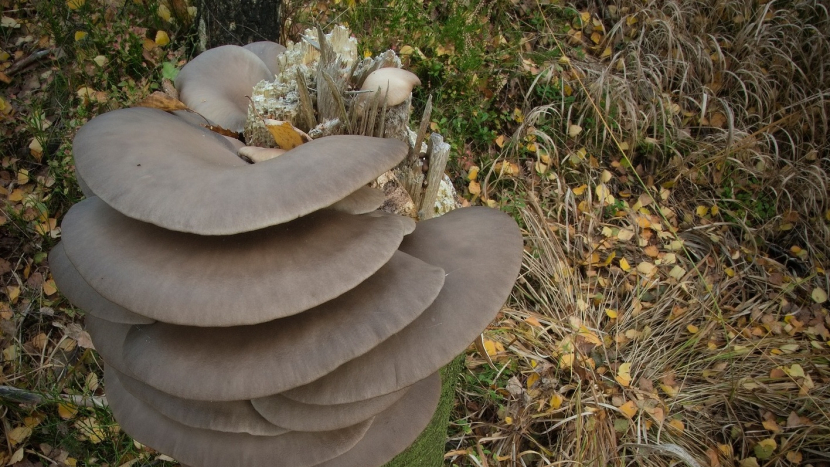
column 695, row 105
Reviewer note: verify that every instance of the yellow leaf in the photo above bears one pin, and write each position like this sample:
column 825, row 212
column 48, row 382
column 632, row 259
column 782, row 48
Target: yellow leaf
column 36, row 149
column 596, row 37
column 556, row 401
column 819, row 295
column 729, row 272
column 162, row 38
column 161, row 101
column 508, row 420
column 629, row 409
column 702, row 211
column 646, row 268
column 22, row 177
column 80, row 35
column 580, row 189
column 605, row 53
column 585, row 16
column 500, row 141
column 692, row 329
column 715, row 210
column 566, row 361
column 164, row 13
column 406, row 50
column 625, row 235
column 795, row 371
column 574, row 130
column 795, row 457
column 75, row 4
column 677, row 272
column 475, row 188
column 16, row 457
column 473, row 173
column 624, row 265
column 533, row 322
column 13, row 292
column 19, row 434
column 624, row 374
column 771, row 426
column 532, row 379
column 631, row 20
column 284, row 133
column 67, row 410
column 90, row 428
column 611, row 313
column 677, row 425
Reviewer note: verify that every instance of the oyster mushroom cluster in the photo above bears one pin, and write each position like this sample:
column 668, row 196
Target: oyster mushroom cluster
column 268, row 314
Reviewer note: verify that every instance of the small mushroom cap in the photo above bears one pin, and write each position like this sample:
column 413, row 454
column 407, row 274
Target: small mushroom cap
column 268, row 52
column 229, row 417
column 216, row 82
column 399, row 82
column 365, row 199
column 308, row 417
column 244, row 362
column 481, row 250
column 395, row 429
column 79, row 292
column 197, row 280
column 158, row 168
column 207, row 448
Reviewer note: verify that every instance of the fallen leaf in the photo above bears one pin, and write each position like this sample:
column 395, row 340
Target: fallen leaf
column 625, row 235
column 795, row 457
column 574, row 130
column 764, row 449
column 819, row 295
column 624, row 374
column 646, row 268
column 624, row 265
column 162, row 38
column 80, row 35
column 556, row 401
column 36, row 149
column 580, row 189
column 474, row 187
column 500, row 141
column 67, row 410
column 532, row 379
column 473, row 173
column 16, row 457
column 677, row 425
column 161, row 101
column 19, row 434
column 75, row 4
column 49, row 287
column 629, row 409
column 285, row 134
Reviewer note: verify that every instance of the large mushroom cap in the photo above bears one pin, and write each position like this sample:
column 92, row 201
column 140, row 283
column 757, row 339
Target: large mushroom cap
column 198, row 280
column 481, row 251
column 230, row 416
column 157, row 168
column 268, row 52
column 394, row 429
column 297, row 416
column 76, row 289
column 364, row 200
column 244, row 362
column 216, row 84
column 207, row 448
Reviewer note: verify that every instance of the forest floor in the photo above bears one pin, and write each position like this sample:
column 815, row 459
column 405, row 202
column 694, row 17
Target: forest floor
column 667, row 161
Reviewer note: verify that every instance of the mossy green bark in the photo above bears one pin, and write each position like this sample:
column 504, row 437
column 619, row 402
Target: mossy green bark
column 428, row 448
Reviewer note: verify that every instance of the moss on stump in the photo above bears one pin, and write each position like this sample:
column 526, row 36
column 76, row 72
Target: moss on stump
column 428, row 448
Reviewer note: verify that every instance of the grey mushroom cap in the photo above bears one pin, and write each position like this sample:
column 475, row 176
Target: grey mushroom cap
column 481, row 251
column 196, row 280
column 157, row 168
column 395, row 429
column 245, row 362
column 297, row 416
column 268, row 52
column 230, row 416
column 365, row 199
column 108, row 338
column 79, row 292
column 216, row 84
column 207, row 448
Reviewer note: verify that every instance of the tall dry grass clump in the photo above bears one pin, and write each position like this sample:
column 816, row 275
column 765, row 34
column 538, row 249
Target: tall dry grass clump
column 670, row 309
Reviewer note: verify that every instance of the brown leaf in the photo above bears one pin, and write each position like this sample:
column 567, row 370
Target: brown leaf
column 161, row 101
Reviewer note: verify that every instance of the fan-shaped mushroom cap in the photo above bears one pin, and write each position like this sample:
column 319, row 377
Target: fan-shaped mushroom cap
column 481, row 251
column 108, row 338
column 256, row 154
column 365, row 199
column 268, row 52
column 399, row 82
column 308, row 417
column 230, row 416
column 83, row 186
column 394, row 429
column 76, row 289
column 198, row 280
column 244, row 362
column 157, row 168
column 216, row 82
column 207, row 448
